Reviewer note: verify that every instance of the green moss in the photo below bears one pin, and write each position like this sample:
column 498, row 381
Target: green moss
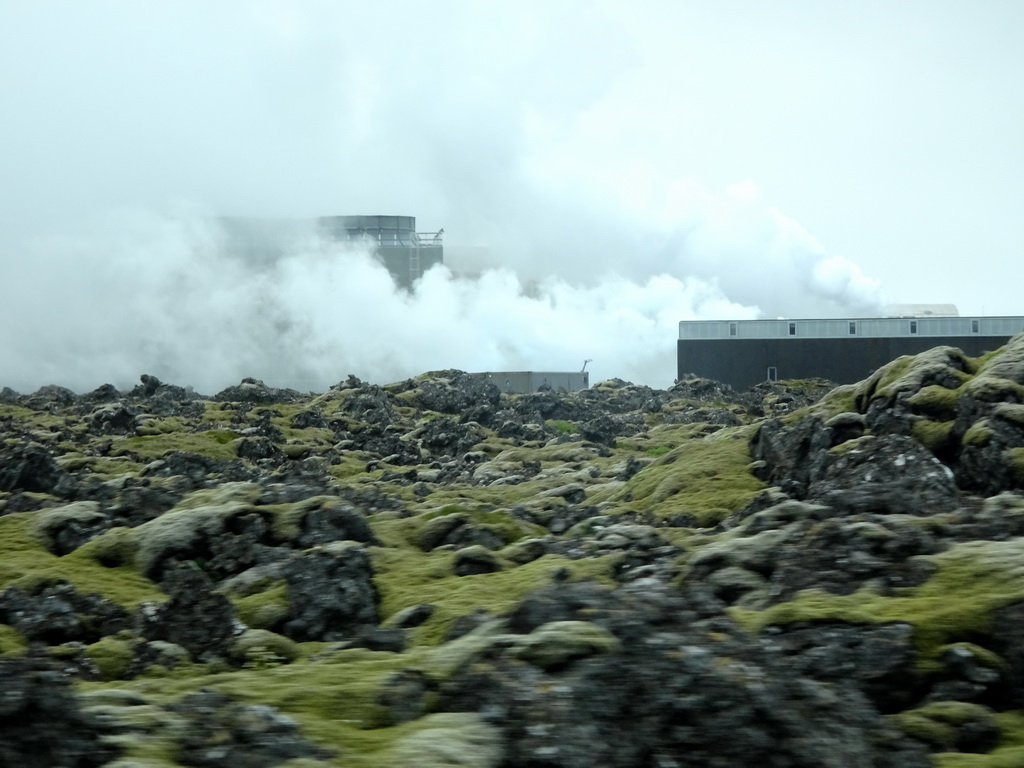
column 937, row 402
column 221, row 436
column 448, row 739
column 339, row 710
column 984, row 655
column 413, row 530
column 707, row 478
column 259, row 649
column 407, row 577
column 978, row 434
column 852, row 444
column 149, row 447
column 1009, row 753
column 350, row 465
column 888, row 375
column 564, row 427
column 105, row 466
column 937, row 723
column 972, row 580
column 265, row 609
column 225, row 493
column 112, row 656
column 16, row 412
column 11, row 641
column 1017, row 460
column 982, row 362
column 934, row 436
column 154, row 426
column 661, row 439
column 113, row 548
column 556, row 643
column 47, row 522
column 24, row 559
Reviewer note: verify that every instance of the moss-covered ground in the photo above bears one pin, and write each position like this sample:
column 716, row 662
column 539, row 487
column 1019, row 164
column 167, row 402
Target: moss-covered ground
column 706, row 478
column 690, row 475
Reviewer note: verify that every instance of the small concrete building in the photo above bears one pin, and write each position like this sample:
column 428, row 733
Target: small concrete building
column 743, row 353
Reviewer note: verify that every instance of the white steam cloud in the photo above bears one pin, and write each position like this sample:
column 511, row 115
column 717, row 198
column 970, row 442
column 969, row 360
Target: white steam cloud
column 157, row 294
column 548, row 164
column 161, row 295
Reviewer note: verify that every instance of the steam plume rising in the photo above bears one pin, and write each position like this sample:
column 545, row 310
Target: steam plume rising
column 158, row 294
column 592, row 247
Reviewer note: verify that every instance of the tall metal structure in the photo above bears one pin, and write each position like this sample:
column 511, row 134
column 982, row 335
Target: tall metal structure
column 406, row 253
column 393, row 240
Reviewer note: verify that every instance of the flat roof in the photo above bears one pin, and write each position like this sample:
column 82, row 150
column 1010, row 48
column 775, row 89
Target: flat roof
column 847, row 327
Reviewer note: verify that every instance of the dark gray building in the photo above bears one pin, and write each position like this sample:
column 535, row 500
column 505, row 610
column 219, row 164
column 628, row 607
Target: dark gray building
column 743, row 353
column 394, row 241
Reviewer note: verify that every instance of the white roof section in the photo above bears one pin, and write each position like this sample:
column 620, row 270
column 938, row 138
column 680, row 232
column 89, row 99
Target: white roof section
column 845, row 328
column 922, row 310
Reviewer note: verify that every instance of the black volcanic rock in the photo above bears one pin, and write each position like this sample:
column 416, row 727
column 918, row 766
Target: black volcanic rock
column 224, row 732
column 455, row 392
column 628, row 678
column 890, row 473
column 58, row 613
column 198, row 619
column 331, row 593
column 28, row 467
column 255, row 391
column 41, row 723
column 195, row 617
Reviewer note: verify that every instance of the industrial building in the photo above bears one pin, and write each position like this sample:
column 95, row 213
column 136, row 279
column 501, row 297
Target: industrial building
column 743, row 353
column 393, row 240
column 406, row 253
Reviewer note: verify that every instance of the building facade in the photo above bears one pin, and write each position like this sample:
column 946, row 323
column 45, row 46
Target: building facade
column 743, row 353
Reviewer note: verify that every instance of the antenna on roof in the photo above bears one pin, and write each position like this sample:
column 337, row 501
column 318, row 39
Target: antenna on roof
column 584, row 368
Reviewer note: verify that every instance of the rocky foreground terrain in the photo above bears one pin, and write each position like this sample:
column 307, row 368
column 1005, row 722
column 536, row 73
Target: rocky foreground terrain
column 431, row 573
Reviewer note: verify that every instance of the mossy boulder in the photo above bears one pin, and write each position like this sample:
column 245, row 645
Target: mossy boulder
column 951, row 726
column 113, row 656
column 260, row 648
column 449, row 739
column 560, row 642
column 62, row 529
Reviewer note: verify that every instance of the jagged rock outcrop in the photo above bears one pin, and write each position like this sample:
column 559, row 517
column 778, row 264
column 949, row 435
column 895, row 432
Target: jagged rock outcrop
column 255, row 391
column 637, row 682
column 195, row 617
column 331, row 593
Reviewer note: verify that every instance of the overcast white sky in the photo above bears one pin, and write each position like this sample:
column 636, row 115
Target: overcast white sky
column 642, row 162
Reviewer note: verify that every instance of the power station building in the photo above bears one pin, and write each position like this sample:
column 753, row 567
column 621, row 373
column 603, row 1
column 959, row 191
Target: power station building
column 743, row 353
column 406, row 253
column 393, row 240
